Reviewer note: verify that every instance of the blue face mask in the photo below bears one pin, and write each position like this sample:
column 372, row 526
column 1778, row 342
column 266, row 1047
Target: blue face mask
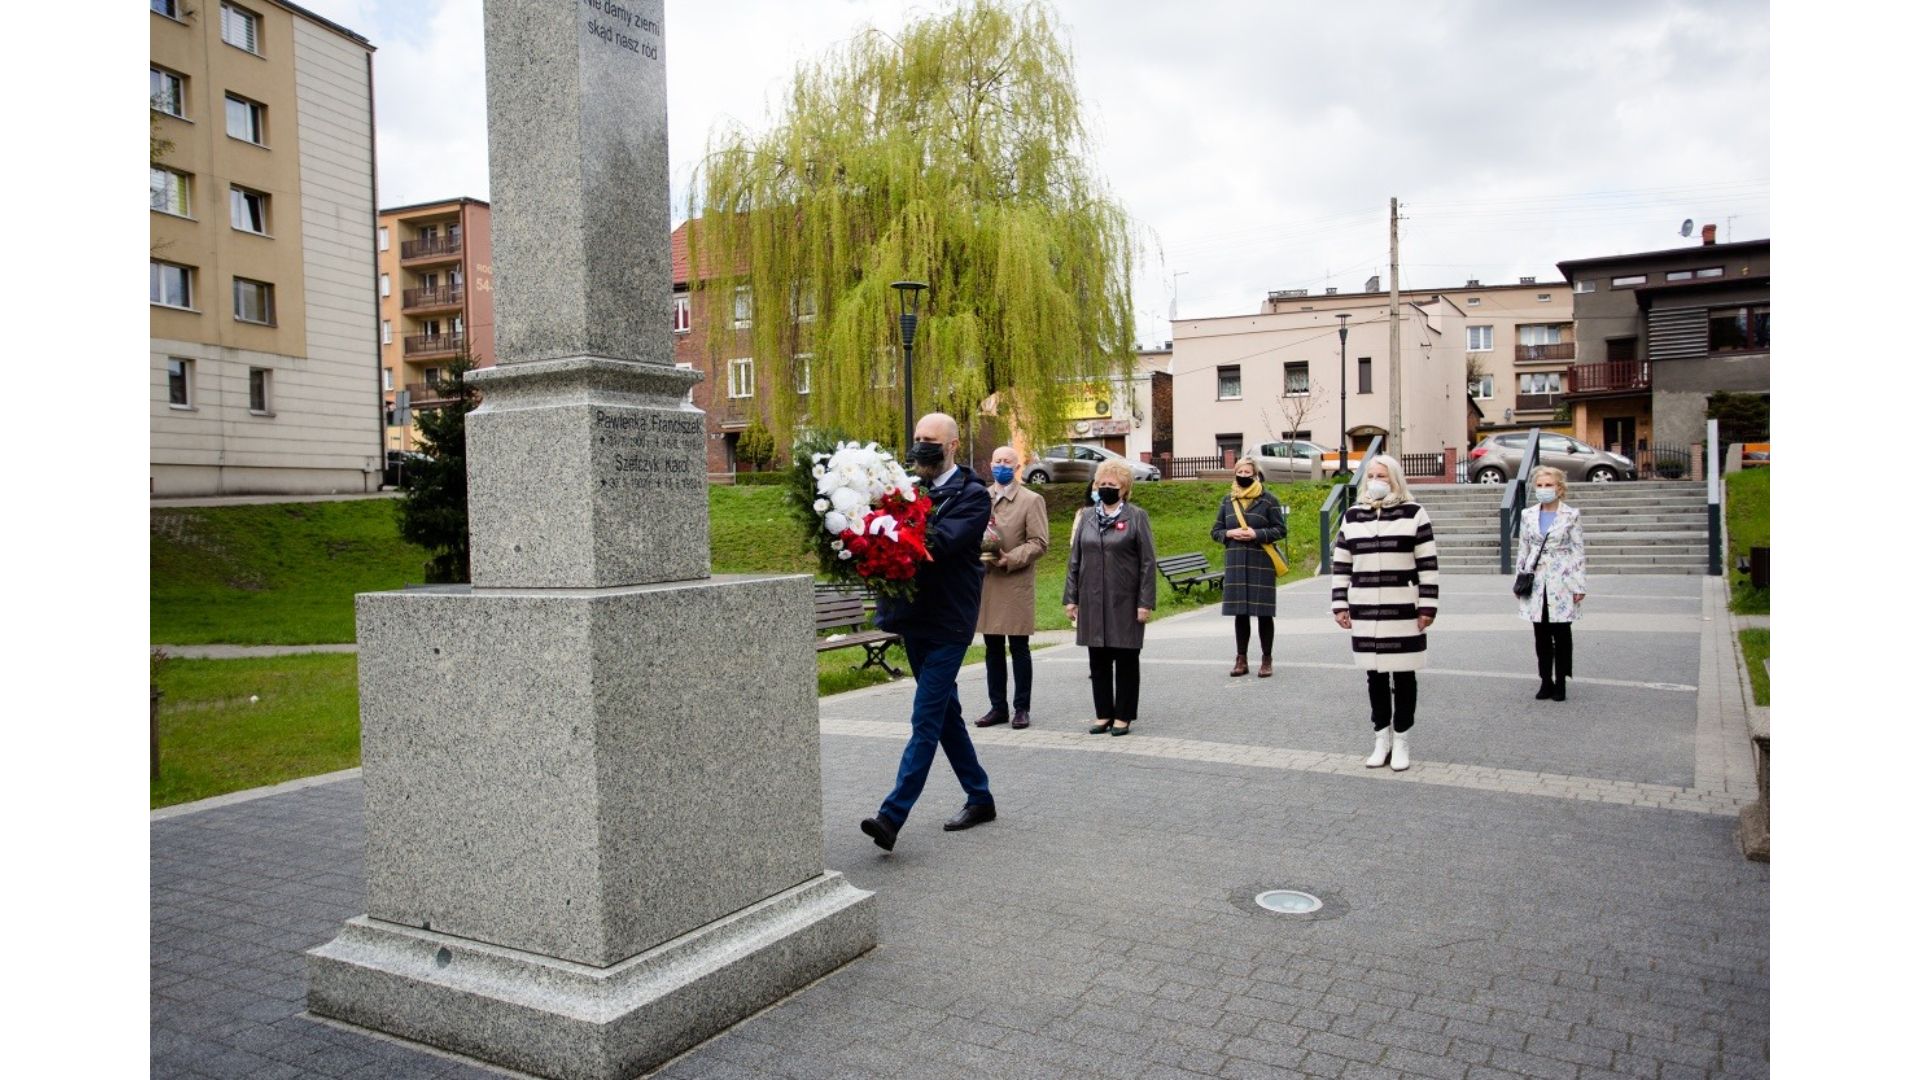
column 1003, row 474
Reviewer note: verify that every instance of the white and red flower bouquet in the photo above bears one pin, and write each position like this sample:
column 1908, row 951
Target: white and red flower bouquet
column 871, row 521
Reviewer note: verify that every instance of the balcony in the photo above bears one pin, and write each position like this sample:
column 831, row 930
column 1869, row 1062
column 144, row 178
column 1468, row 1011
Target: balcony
column 429, row 299
column 423, row 346
column 430, row 248
column 427, row 393
column 1534, row 354
column 1537, row 402
column 1612, row 377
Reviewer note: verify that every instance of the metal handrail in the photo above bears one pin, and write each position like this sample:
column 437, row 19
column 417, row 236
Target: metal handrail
column 1510, row 503
column 1716, row 559
column 1339, row 500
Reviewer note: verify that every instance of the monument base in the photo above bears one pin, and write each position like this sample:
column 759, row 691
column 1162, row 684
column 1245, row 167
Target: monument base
column 577, row 1022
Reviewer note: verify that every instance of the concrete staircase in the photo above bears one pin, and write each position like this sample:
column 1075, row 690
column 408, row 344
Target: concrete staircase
column 1643, row 527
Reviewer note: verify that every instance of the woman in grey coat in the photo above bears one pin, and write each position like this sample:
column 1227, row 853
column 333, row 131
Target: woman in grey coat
column 1250, row 519
column 1111, row 593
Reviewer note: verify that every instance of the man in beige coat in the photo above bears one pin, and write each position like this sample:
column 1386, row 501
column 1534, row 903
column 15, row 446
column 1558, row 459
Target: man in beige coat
column 1006, row 601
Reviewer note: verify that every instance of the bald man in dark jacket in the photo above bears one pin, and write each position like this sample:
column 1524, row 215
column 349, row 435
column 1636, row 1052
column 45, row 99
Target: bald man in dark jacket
column 936, row 627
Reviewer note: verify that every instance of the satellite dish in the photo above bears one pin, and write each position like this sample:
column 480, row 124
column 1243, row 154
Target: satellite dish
column 1686, row 227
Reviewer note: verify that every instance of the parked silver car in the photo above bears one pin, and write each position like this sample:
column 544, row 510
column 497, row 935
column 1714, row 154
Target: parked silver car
column 1069, row 462
column 1292, row 459
column 1497, row 459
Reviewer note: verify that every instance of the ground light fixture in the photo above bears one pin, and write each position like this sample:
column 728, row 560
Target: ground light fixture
column 909, row 320
column 1288, row 901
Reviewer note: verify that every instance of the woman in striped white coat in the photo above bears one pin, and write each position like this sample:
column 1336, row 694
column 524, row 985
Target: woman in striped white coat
column 1386, row 591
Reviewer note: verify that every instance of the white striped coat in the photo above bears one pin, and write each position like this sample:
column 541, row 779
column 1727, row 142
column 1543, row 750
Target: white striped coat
column 1386, row 573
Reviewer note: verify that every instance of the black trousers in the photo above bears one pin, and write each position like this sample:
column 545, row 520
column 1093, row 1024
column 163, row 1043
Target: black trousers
column 998, row 646
column 1116, row 683
column 1553, row 650
column 1393, row 705
column 1242, row 632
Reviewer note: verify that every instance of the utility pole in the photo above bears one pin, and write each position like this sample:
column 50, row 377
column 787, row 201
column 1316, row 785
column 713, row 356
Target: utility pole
column 1393, row 329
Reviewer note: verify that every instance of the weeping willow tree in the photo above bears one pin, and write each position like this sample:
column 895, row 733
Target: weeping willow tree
column 954, row 154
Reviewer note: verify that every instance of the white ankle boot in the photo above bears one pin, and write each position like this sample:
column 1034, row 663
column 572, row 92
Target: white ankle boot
column 1401, row 759
column 1381, row 740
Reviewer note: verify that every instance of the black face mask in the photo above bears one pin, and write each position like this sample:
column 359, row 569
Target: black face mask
column 1109, row 495
column 1243, row 481
column 927, row 453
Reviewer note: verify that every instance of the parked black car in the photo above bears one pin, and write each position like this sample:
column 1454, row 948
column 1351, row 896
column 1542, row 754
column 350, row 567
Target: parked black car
column 399, row 464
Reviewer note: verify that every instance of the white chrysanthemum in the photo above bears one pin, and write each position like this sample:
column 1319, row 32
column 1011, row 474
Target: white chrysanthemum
column 828, row 484
column 836, row 522
column 846, row 500
column 820, row 506
column 837, row 544
column 819, row 471
column 846, row 554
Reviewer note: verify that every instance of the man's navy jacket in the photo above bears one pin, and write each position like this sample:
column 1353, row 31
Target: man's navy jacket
column 946, row 601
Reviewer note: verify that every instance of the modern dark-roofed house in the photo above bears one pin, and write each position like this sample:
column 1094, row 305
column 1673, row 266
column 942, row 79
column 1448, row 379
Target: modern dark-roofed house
column 1658, row 331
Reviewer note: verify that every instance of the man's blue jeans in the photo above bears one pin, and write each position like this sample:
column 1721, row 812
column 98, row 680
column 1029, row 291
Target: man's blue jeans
column 936, row 722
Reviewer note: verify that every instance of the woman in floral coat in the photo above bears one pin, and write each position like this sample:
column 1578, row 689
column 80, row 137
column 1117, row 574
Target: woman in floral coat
column 1555, row 550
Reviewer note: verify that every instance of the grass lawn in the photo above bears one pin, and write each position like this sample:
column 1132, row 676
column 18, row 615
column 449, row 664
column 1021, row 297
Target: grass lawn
column 1753, row 645
column 1747, row 520
column 276, row 574
column 215, row 739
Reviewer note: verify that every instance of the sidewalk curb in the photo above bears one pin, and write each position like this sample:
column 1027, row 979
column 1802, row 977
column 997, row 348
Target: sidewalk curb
column 250, row 794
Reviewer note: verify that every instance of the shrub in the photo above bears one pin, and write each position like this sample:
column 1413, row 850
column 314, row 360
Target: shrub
column 433, row 513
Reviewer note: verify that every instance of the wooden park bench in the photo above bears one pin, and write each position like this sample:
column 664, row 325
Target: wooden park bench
column 1183, row 572
column 845, row 607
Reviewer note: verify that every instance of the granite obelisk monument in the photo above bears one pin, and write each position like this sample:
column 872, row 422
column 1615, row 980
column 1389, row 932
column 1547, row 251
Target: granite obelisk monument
column 593, row 776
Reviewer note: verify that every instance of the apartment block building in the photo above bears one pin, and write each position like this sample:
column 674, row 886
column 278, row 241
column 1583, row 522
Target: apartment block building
column 1242, row 380
column 435, row 284
column 1518, row 341
column 1657, row 332
column 263, row 355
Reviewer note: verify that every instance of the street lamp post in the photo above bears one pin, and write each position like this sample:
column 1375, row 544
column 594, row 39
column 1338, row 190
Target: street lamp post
column 909, row 320
column 1343, row 391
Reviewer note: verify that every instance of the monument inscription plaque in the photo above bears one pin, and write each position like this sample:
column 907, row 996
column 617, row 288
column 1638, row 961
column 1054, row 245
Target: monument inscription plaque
column 588, row 848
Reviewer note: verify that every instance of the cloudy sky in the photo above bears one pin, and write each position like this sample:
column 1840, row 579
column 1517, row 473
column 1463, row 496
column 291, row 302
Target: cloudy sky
column 1256, row 144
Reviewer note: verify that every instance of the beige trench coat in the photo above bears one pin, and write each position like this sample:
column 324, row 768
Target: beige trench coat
column 1006, row 599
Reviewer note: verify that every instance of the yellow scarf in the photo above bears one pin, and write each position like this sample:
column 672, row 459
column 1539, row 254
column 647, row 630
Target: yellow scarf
column 1245, row 496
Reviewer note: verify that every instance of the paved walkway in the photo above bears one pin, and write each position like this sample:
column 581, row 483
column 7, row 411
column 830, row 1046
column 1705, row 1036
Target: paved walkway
column 1553, row 890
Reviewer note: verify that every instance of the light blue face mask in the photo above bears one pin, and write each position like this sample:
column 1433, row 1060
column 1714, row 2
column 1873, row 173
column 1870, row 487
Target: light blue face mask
column 1544, row 495
column 1003, row 474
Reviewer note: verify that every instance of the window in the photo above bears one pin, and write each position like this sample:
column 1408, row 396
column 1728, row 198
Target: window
column 386, row 335
column 804, row 304
column 167, row 92
column 386, row 285
column 682, row 314
column 1740, row 329
column 740, row 378
column 1227, row 382
column 742, row 307
column 432, row 374
column 1544, row 334
column 169, row 284
column 384, row 240
column 1540, row 382
column 166, row 7
column 1473, row 301
column 690, row 386
column 168, row 192
column 1555, row 444
column 1583, row 286
column 386, row 378
column 1227, row 444
column 1479, row 339
column 179, row 383
column 1481, row 388
column 246, row 120
column 252, row 301
column 1621, row 349
column 259, row 386
column 803, row 374
column 249, row 210
column 1625, row 281
column 1296, row 379
column 1711, row 271
column 240, row 28
column 1366, row 375
column 1545, row 298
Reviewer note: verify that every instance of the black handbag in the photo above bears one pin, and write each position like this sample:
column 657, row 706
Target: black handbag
column 1523, row 581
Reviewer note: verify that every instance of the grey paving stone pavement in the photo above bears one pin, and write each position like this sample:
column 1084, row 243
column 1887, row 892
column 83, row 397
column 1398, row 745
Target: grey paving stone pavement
column 1549, row 892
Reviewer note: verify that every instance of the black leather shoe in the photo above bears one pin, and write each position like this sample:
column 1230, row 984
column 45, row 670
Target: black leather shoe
column 1546, row 691
column 1100, row 728
column 968, row 817
column 884, row 832
column 1560, row 690
column 1021, row 719
column 997, row 716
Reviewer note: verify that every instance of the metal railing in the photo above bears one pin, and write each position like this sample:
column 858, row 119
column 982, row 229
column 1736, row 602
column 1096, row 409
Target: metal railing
column 1339, row 500
column 430, row 247
column 1559, row 350
column 419, row 344
column 1422, row 465
column 1531, row 402
column 1185, row 468
column 1608, row 376
column 1716, row 559
column 1511, row 503
column 432, row 296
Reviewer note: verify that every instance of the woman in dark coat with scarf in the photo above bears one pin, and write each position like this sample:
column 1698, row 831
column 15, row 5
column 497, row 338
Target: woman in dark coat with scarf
column 1110, row 595
column 1249, row 521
